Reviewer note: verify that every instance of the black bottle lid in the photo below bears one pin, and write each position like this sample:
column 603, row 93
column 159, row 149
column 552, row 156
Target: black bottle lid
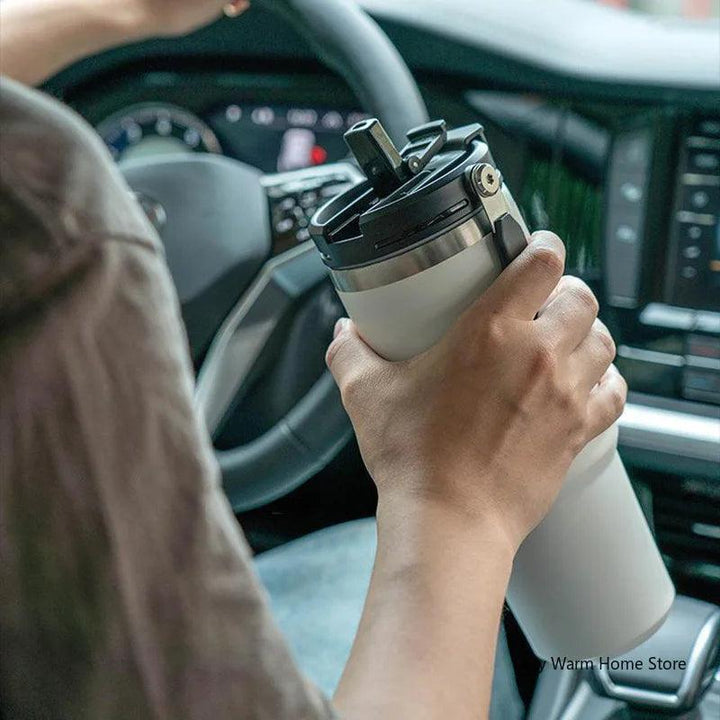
column 410, row 197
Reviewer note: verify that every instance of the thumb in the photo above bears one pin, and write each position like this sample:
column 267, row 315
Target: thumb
column 349, row 358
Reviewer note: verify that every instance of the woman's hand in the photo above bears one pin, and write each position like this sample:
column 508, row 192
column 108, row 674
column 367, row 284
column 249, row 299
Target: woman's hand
column 487, row 422
column 177, row 17
column 40, row 38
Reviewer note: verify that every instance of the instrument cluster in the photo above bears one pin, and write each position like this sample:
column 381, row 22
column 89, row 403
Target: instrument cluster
column 273, row 138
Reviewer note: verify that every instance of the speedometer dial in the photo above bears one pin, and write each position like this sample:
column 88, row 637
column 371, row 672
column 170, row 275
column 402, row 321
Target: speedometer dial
column 156, row 129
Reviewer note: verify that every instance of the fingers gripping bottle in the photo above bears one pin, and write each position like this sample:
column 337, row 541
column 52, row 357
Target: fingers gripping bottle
column 409, row 249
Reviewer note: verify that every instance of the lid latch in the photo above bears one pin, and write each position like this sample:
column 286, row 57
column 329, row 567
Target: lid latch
column 383, row 164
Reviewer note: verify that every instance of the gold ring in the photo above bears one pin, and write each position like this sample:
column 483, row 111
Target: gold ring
column 233, row 9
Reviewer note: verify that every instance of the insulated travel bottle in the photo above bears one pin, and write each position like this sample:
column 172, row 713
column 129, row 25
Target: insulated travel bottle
column 409, row 249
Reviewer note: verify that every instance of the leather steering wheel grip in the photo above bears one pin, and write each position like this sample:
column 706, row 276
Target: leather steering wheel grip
column 308, row 437
column 350, row 42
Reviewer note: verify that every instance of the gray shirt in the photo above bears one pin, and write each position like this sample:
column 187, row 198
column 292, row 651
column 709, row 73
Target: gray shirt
column 127, row 588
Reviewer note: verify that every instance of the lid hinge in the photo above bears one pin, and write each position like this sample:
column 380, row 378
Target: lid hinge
column 509, row 234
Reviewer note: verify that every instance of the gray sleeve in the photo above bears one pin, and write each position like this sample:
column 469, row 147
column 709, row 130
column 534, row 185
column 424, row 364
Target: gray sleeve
column 127, row 587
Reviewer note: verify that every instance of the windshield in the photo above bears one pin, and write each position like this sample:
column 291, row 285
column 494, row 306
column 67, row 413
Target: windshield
column 691, row 9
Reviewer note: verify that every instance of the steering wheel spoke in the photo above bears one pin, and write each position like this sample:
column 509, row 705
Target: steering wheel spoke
column 294, row 197
column 247, row 329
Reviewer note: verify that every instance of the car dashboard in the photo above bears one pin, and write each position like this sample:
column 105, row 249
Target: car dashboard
column 628, row 174
column 272, row 138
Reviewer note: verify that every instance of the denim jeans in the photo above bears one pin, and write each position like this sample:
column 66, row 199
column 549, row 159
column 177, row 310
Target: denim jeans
column 317, row 587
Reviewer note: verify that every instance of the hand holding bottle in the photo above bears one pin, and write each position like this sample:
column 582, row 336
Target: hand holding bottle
column 515, row 389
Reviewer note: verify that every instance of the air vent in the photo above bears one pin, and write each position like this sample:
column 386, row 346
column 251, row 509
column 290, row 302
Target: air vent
column 687, row 525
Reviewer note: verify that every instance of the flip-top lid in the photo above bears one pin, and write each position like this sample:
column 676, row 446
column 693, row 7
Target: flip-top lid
column 410, row 196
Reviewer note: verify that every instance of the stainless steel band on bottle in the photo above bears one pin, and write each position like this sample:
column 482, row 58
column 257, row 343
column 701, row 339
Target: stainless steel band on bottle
column 409, row 263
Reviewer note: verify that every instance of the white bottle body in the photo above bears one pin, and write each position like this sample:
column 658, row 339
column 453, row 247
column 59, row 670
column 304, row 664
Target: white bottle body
column 589, row 580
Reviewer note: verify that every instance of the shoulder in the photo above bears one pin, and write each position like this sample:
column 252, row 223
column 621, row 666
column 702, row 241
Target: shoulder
column 57, row 165
column 61, row 196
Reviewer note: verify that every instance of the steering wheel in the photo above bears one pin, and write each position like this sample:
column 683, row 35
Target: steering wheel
column 258, row 315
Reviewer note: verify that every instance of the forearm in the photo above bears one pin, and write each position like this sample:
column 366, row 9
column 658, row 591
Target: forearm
column 40, row 38
column 426, row 643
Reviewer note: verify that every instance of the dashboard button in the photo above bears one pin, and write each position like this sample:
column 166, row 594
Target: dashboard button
column 668, row 316
column 332, row 120
column 626, row 234
column 709, row 322
column 284, row 225
column 263, row 116
column 699, row 199
column 233, row 113
column 702, row 199
column 708, row 126
column 703, row 143
column 631, row 192
column 705, row 219
column 287, row 203
column 309, row 199
column 703, row 161
column 693, row 232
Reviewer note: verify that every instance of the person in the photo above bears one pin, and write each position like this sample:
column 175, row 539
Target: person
column 128, row 589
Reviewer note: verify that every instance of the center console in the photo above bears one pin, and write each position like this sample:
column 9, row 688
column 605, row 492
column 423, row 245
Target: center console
column 662, row 281
column 666, row 288
column 675, row 673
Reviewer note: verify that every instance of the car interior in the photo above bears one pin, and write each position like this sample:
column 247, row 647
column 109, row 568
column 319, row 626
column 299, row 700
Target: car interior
column 605, row 122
